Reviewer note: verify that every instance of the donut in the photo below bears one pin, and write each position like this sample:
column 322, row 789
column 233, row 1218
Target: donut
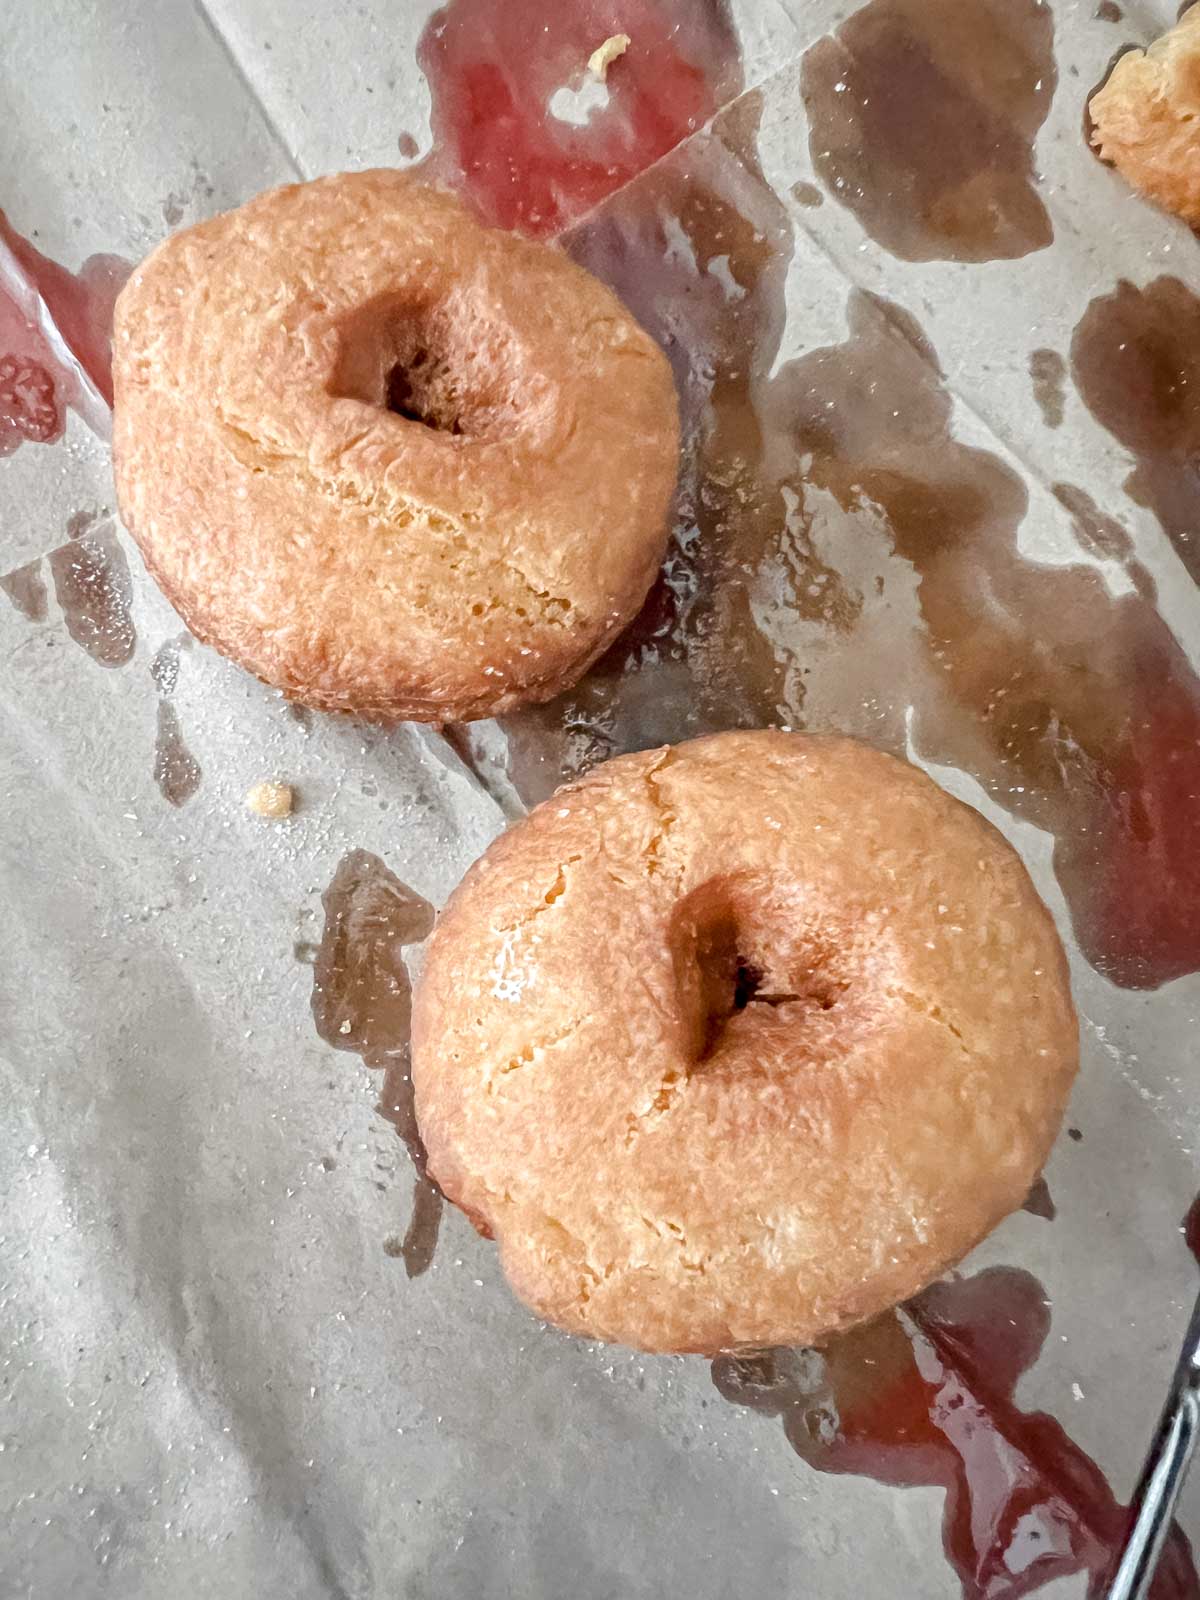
column 1144, row 119
column 392, row 461
column 740, row 1042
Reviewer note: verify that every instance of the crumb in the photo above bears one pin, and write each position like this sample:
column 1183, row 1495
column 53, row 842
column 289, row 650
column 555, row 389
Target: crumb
column 270, row 799
column 601, row 59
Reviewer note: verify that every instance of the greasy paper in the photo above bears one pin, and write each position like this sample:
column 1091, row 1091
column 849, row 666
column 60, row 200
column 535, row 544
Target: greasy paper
column 236, row 1360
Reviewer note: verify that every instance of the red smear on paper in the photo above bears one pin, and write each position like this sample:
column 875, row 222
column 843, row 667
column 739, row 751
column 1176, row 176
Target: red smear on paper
column 925, row 1396
column 494, row 69
column 38, row 379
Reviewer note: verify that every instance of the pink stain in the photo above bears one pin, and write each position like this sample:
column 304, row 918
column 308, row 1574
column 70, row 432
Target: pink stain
column 55, row 340
column 493, row 70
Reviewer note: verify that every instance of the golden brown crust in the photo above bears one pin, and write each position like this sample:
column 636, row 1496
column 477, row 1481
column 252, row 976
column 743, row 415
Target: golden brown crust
column 353, row 556
column 1146, row 118
column 666, row 1171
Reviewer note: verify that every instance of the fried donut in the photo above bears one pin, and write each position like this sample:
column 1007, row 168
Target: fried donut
column 740, row 1042
column 1145, row 119
column 390, row 460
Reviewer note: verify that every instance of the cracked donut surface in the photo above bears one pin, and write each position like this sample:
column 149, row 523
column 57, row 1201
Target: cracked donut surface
column 740, row 1042
column 390, row 460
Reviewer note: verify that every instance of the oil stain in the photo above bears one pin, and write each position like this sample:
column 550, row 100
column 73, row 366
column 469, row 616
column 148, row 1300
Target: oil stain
column 176, row 771
column 923, row 116
column 362, row 1001
column 840, row 560
column 699, row 250
column 396, row 1104
column 164, row 667
column 1076, row 708
column 26, row 589
column 1048, row 374
column 1102, row 535
column 93, row 589
column 1039, row 1202
column 1135, row 359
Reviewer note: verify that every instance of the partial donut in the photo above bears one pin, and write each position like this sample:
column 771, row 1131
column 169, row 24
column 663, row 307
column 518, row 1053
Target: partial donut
column 390, row 460
column 741, row 1042
column 1146, row 118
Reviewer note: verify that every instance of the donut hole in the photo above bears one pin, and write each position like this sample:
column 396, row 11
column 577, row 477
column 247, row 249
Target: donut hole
column 747, row 981
column 418, row 391
column 454, row 374
column 745, row 949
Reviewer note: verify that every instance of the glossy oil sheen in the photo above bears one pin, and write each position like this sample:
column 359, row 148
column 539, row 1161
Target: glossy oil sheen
column 494, row 71
column 36, row 383
column 840, row 560
column 925, row 1396
column 362, row 1001
column 93, row 588
column 922, row 118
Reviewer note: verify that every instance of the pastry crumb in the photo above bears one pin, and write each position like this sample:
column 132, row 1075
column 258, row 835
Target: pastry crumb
column 270, row 799
column 602, row 58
